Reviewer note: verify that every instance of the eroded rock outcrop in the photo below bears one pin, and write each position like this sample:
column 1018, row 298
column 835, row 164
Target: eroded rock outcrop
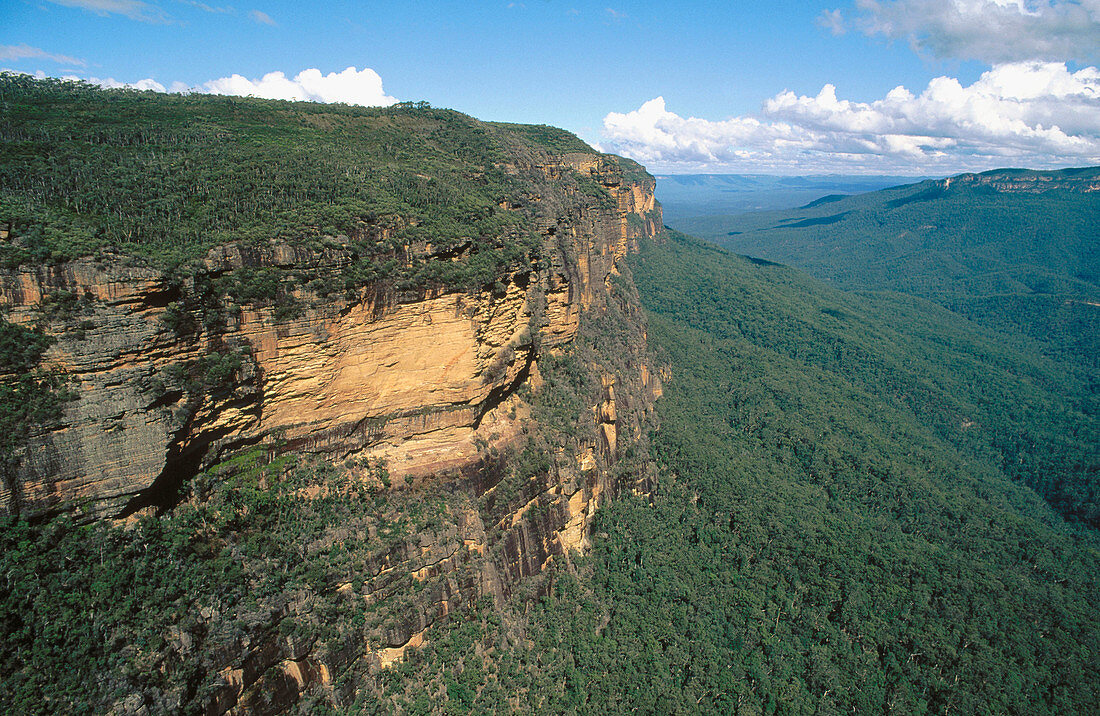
column 415, row 380
column 430, row 384
column 1025, row 181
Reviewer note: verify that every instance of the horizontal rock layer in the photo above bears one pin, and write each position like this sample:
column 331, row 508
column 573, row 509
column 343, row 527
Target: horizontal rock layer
column 415, row 381
column 427, row 384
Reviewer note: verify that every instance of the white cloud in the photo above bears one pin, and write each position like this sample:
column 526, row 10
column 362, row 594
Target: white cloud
column 261, row 17
column 25, row 51
column 352, row 86
column 133, row 9
column 989, row 30
column 112, row 83
column 363, row 87
column 833, row 21
column 217, row 10
column 1029, row 114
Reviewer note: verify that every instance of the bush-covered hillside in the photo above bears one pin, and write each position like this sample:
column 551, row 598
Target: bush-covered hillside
column 825, row 538
column 1015, row 250
column 854, row 502
column 167, row 177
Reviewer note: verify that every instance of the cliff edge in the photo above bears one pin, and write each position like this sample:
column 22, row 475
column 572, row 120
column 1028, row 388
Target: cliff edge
column 417, row 348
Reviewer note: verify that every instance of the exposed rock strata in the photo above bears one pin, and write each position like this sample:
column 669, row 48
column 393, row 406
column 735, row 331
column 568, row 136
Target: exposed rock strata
column 428, row 384
column 415, row 380
column 1083, row 181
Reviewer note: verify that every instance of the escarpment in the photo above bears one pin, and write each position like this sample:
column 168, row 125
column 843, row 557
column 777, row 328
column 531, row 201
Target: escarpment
column 319, row 384
column 415, row 378
column 439, row 389
column 1084, row 180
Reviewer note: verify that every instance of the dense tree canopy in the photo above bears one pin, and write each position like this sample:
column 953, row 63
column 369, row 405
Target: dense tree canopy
column 861, row 502
column 839, row 525
column 167, row 177
column 1015, row 250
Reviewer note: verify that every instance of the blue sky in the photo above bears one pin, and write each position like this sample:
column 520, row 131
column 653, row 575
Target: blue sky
column 782, row 87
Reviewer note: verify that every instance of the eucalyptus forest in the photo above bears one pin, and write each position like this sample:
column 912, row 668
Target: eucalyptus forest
column 869, row 481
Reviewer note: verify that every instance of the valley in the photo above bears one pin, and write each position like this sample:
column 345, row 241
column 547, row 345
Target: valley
column 319, row 408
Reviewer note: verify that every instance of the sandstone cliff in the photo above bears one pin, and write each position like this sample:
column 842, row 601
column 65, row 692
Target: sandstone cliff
column 1024, row 181
column 433, row 387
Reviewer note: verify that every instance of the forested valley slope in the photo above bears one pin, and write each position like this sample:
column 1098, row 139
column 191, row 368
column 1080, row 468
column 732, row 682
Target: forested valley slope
column 1013, row 249
column 325, row 409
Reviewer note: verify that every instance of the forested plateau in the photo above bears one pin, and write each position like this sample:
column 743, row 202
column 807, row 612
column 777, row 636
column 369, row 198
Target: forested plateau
column 314, row 408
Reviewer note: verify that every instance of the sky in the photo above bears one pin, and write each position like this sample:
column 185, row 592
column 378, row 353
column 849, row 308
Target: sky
column 918, row 87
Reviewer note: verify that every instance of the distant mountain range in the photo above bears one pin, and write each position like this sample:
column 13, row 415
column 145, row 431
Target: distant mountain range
column 691, row 195
column 404, row 412
column 1014, row 249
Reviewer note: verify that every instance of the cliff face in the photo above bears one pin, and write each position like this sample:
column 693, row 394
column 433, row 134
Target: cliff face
column 433, row 386
column 414, row 380
column 1022, row 181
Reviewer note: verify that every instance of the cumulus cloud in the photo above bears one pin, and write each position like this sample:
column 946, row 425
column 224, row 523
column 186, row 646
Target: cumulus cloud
column 1032, row 114
column 112, row 83
column 993, row 31
column 133, row 9
column 352, row 86
column 26, row 52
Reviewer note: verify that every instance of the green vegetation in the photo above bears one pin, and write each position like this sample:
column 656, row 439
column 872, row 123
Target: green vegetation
column 1014, row 250
column 556, row 140
column 847, row 549
column 21, row 348
column 167, row 177
column 818, row 541
column 90, row 614
column 979, row 391
column 30, row 397
column 211, row 373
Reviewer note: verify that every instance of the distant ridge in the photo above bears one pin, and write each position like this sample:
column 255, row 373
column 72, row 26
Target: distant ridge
column 1015, row 249
column 692, row 195
column 824, row 200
